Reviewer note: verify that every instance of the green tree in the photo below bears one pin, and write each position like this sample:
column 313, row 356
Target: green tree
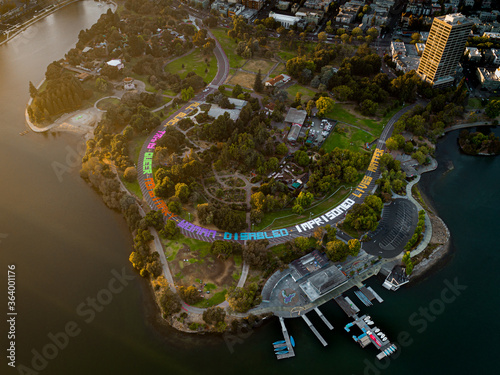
column 298, row 209
column 324, row 105
column 322, row 37
column 33, row 90
column 419, row 156
column 237, row 90
column 493, row 108
column 170, row 230
column 391, row 143
column 182, row 192
column 189, row 294
column 336, row 250
column 354, row 247
column 309, row 107
column 130, row 174
column 214, row 315
column 187, row 94
column 257, row 85
column 373, row 32
column 304, row 199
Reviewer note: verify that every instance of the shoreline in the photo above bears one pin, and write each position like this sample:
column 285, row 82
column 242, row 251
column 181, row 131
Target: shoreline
column 428, row 260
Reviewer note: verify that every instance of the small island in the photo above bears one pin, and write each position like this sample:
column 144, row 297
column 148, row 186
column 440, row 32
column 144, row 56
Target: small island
column 478, row 143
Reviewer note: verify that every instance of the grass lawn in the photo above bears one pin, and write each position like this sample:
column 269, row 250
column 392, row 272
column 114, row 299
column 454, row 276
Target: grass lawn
column 169, row 93
column 194, row 62
column 287, row 55
column 144, row 79
column 307, row 93
column 255, row 64
column 134, row 188
column 474, row 103
column 286, row 217
column 343, row 140
column 375, row 127
column 107, row 103
column 216, row 299
column 135, row 147
column 229, row 46
column 203, row 248
column 280, row 69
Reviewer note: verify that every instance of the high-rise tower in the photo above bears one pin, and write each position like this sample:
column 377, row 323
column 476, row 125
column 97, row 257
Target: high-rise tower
column 443, row 49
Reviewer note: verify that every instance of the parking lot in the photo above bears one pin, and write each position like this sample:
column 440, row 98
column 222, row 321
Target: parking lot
column 317, row 130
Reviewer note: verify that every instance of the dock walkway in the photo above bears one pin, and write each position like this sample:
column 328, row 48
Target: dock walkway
column 323, row 318
column 315, row 331
column 375, row 294
column 367, row 293
column 290, row 353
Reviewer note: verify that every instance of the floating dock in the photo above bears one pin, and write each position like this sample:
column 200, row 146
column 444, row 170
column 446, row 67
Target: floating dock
column 347, row 305
column 367, row 293
column 363, row 298
column 315, row 331
column 369, row 336
column 323, row 318
column 290, row 353
column 377, row 297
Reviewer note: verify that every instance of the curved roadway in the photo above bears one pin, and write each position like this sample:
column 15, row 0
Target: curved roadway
column 146, row 182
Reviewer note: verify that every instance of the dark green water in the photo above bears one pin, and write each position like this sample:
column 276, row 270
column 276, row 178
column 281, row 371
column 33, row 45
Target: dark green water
column 65, row 244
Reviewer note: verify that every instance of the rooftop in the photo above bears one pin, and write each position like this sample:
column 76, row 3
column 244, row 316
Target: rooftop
column 296, row 116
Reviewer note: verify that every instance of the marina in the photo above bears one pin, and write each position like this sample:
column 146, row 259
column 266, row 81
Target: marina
column 371, row 334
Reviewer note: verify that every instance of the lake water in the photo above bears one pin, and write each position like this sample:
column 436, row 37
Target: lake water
column 68, row 247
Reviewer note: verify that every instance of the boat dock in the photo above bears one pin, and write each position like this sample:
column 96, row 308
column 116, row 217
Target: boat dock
column 362, row 297
column 367, row 293
column 373, row 335
column 288, row 343
column 315, row 331
column 377, row 297
column 347, row 305
column 323, row 318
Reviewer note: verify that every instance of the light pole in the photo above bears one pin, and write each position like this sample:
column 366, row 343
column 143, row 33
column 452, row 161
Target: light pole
column 189, row 216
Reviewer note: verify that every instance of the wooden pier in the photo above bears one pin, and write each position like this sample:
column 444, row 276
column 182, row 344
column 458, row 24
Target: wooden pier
column 315, row 331
column 323, row 318
column 289, row 347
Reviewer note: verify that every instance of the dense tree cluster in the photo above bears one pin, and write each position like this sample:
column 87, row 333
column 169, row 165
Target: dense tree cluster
column 62, row 94
column 243, row 299
column 439, row 113
column 334, row 168
column 337, row 250
column 215, row 316
column 365, row 216
column 392, row 177
column 220, row 215
column 224, row 249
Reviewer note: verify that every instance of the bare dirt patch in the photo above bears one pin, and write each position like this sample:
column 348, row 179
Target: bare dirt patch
column 255, row 65
column 192, row 267
column 243, row 79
